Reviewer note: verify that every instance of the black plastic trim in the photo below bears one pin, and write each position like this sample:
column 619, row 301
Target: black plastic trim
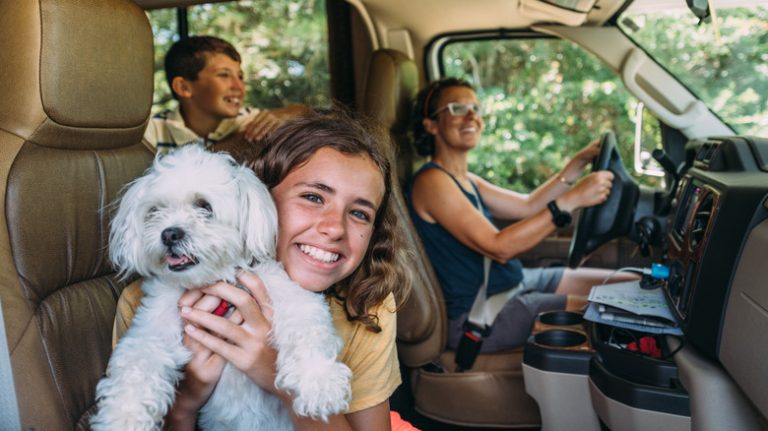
column 673, row 401
column 633, row 366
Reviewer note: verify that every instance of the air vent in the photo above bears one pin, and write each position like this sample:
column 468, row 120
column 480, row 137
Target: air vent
column 706, row 152
column 701, row 220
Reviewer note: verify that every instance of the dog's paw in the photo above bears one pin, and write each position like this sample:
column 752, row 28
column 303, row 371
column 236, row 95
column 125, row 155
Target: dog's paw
column 327, row 394
column 122, row 407
column 110, row 419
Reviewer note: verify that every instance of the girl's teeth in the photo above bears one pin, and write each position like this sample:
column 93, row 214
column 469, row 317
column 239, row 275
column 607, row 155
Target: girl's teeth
column 321, row 255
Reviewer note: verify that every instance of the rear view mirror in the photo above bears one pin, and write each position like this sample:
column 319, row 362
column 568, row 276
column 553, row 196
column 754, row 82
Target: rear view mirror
column 700, row 8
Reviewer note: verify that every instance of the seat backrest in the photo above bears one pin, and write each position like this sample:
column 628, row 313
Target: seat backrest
column 391, row 86
column 75, row 96
column 390, row 90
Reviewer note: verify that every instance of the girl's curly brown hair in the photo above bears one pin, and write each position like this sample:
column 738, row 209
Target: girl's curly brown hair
column 382, row 270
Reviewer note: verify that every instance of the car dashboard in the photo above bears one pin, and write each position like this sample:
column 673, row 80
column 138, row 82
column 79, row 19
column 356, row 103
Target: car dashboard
column 718, row 284
column 713, row 376
column 719, row 202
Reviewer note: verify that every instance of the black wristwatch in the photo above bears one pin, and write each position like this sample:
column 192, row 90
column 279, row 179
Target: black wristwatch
column 559, row 217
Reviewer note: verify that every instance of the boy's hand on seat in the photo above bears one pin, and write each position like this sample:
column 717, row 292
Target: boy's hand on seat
column 261, row 125
column 265, row 122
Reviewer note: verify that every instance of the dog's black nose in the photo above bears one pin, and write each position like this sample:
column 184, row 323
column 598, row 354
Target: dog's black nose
column 171, row 236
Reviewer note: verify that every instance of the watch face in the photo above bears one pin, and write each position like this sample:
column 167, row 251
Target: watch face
column 559, row 218
column 563, row 219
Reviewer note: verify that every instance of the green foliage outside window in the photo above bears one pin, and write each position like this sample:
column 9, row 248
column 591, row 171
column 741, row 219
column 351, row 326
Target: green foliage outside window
column 724, row 65
column 283, row 43
column 545, row 99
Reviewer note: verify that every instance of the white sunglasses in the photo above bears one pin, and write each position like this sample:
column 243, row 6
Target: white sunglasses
column 460, row 109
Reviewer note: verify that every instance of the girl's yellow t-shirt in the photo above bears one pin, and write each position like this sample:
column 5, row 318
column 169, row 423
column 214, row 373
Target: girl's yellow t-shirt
column 372, row 357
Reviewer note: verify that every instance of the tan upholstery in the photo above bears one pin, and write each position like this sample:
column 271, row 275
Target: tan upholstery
column 76, row 89
column 391, row 87
column 492, row 393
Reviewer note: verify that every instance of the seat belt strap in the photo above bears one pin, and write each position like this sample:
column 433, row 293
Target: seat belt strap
column 9, row 407
column 482, row 314
column 485, row 309
column 477, row 314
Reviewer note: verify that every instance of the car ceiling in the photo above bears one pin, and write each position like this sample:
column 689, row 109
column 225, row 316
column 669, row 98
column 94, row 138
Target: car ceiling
column 426, row 18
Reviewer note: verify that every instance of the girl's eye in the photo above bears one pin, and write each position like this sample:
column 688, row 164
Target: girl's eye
column 312, row 198
column 362, row 215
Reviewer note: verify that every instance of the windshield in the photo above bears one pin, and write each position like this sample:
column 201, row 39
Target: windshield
column 723, row 60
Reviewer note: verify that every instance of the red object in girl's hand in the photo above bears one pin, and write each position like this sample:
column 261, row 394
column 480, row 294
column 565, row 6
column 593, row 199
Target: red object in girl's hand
column 222, row 309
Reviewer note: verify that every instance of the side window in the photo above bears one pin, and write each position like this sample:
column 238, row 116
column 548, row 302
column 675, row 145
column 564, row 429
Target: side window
column 283, row 44
column 544, row 100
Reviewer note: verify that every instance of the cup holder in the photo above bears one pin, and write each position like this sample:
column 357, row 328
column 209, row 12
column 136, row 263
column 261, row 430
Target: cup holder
column 560, row 318
column 559, row 338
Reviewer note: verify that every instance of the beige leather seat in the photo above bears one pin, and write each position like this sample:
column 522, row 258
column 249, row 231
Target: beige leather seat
column 75, row 94
column 390, row 88
column 492, row 393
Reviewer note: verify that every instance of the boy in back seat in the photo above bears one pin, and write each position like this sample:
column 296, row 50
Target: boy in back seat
column 204, row 75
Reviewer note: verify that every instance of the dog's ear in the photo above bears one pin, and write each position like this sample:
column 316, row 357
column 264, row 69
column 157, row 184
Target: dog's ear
column 125, row 233
column 258, row 215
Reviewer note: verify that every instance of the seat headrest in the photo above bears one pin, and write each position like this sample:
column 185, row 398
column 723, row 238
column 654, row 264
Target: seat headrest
column 72, row 80
column 391, row 86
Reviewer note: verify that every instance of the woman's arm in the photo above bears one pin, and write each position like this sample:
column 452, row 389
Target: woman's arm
column 509, row 205
column 437, row 199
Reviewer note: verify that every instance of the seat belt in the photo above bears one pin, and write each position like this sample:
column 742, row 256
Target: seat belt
column 482, row 314
column 9, row 407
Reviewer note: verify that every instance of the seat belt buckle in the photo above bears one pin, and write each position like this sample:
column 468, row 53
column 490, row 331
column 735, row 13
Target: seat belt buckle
column 469, row 345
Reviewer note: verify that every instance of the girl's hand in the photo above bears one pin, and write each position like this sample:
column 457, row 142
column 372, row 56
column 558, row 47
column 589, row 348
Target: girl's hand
column 203, row 370
column 241, row 339
column 593, row 189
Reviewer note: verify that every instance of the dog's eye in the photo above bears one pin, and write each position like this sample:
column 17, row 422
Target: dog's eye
column 204, row 205
column 151, row 211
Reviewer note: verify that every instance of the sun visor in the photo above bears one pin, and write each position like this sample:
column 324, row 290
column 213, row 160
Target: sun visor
column 566, row 12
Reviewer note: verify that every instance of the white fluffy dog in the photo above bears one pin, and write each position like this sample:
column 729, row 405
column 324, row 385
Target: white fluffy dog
column 191, row 220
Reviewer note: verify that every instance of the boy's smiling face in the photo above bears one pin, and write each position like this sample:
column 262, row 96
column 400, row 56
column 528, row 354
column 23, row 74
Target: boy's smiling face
column 219, row 90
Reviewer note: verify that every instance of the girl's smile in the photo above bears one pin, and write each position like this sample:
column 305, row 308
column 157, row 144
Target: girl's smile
column 326, row 220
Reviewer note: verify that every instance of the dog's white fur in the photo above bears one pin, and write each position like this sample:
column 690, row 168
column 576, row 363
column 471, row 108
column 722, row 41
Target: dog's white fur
column 228, row 221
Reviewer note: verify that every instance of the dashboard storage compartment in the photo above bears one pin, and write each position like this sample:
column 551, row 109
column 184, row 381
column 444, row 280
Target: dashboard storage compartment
column 555, row 371
column 631, row 390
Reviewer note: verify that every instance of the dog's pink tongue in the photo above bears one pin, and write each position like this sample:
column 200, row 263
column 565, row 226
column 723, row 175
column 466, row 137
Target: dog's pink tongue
column 176, row 260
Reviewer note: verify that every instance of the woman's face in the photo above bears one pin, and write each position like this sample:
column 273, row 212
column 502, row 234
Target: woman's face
column 461, row 132
column 326, row 209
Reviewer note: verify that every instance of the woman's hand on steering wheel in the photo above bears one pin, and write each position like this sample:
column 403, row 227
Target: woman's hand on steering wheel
column 591, row 190
column 581, row 160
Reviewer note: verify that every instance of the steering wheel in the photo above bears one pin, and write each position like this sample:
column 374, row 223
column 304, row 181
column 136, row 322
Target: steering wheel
column 611, row 219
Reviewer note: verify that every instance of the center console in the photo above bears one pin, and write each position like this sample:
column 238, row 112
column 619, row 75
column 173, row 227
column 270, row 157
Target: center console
column 720, row 202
